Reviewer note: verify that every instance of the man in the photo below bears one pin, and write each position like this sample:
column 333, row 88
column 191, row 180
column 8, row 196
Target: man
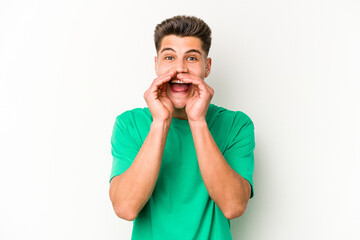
column 181, row 167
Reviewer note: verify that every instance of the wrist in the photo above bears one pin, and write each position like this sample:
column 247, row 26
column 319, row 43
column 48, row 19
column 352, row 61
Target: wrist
column 161, row 123
column 198, row 123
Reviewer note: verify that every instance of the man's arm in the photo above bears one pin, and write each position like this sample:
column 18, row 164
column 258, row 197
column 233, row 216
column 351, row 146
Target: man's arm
column 130, row 191
column 227, row 188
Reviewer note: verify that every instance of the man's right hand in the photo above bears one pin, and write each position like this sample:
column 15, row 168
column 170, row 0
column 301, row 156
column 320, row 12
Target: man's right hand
column 130, row 191
column 160, row 106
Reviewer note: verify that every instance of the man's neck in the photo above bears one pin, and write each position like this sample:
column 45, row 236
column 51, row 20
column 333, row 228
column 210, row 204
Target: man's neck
column 180, row 113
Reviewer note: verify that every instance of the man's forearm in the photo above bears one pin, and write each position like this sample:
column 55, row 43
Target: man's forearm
column 130, row 191
column 226, row 187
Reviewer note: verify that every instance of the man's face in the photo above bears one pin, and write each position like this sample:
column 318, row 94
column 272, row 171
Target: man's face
column 183, row 55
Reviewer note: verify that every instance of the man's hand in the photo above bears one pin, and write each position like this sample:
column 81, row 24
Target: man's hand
column 229, row 190
column 197, row 106
column 130, row 191
column 159, row 104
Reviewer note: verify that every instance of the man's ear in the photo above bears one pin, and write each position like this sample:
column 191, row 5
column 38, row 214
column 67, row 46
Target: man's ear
column 156, row 68
column 207, row 67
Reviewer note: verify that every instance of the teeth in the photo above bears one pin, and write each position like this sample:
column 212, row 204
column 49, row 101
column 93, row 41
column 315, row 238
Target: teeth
column 176, row 81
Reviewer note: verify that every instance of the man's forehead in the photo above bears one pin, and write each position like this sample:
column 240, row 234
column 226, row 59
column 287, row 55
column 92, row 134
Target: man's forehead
column 181, row 44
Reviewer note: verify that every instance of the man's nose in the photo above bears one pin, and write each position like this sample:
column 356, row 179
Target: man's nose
column 181, row 67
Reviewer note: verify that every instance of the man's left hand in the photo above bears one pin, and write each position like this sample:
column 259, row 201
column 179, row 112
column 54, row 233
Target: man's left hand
column 198, row 104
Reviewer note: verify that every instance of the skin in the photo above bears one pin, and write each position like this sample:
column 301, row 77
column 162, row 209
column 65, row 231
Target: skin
column 186, row 60
column 179, row 58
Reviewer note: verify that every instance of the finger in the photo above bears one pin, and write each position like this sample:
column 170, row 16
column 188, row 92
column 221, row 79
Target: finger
column 158, row 85
column 163, row 89
column 159, row 82
column 187, row 78
column 196, row 81
column 163, row 93
column 201, row 88
column 196, row 92
column 210, row 89
column 164, row 78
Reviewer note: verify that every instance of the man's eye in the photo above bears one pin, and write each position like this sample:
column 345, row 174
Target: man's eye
column 192, row 58
column 169, row 58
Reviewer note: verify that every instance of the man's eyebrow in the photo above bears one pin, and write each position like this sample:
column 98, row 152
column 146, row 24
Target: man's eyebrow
column 188, row 51
column 167, row 49
column 193, row 50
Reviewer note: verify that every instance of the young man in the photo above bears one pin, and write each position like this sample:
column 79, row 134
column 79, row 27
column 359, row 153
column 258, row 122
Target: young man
column 181, row 167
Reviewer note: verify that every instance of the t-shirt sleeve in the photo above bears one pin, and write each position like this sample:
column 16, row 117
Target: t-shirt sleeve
column 240, row 150
column 123, row 146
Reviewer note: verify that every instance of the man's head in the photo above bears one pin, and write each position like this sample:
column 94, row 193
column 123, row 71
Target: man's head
column 183, row 26
column 182, row 45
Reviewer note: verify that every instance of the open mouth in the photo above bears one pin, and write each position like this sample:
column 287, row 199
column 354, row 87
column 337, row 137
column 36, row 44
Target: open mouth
column 179, row 86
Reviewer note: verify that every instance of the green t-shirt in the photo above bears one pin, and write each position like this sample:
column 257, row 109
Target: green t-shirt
column 180, row 206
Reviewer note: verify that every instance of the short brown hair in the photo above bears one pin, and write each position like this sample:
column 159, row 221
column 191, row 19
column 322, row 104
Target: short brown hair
column 184, row 26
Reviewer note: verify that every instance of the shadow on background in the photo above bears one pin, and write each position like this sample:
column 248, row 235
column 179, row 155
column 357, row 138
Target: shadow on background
column 245, row 227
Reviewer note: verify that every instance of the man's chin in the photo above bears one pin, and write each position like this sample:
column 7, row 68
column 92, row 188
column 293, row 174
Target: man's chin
column 179, row 105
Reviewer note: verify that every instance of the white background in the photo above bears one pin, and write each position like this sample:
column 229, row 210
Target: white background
column 68, row 68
